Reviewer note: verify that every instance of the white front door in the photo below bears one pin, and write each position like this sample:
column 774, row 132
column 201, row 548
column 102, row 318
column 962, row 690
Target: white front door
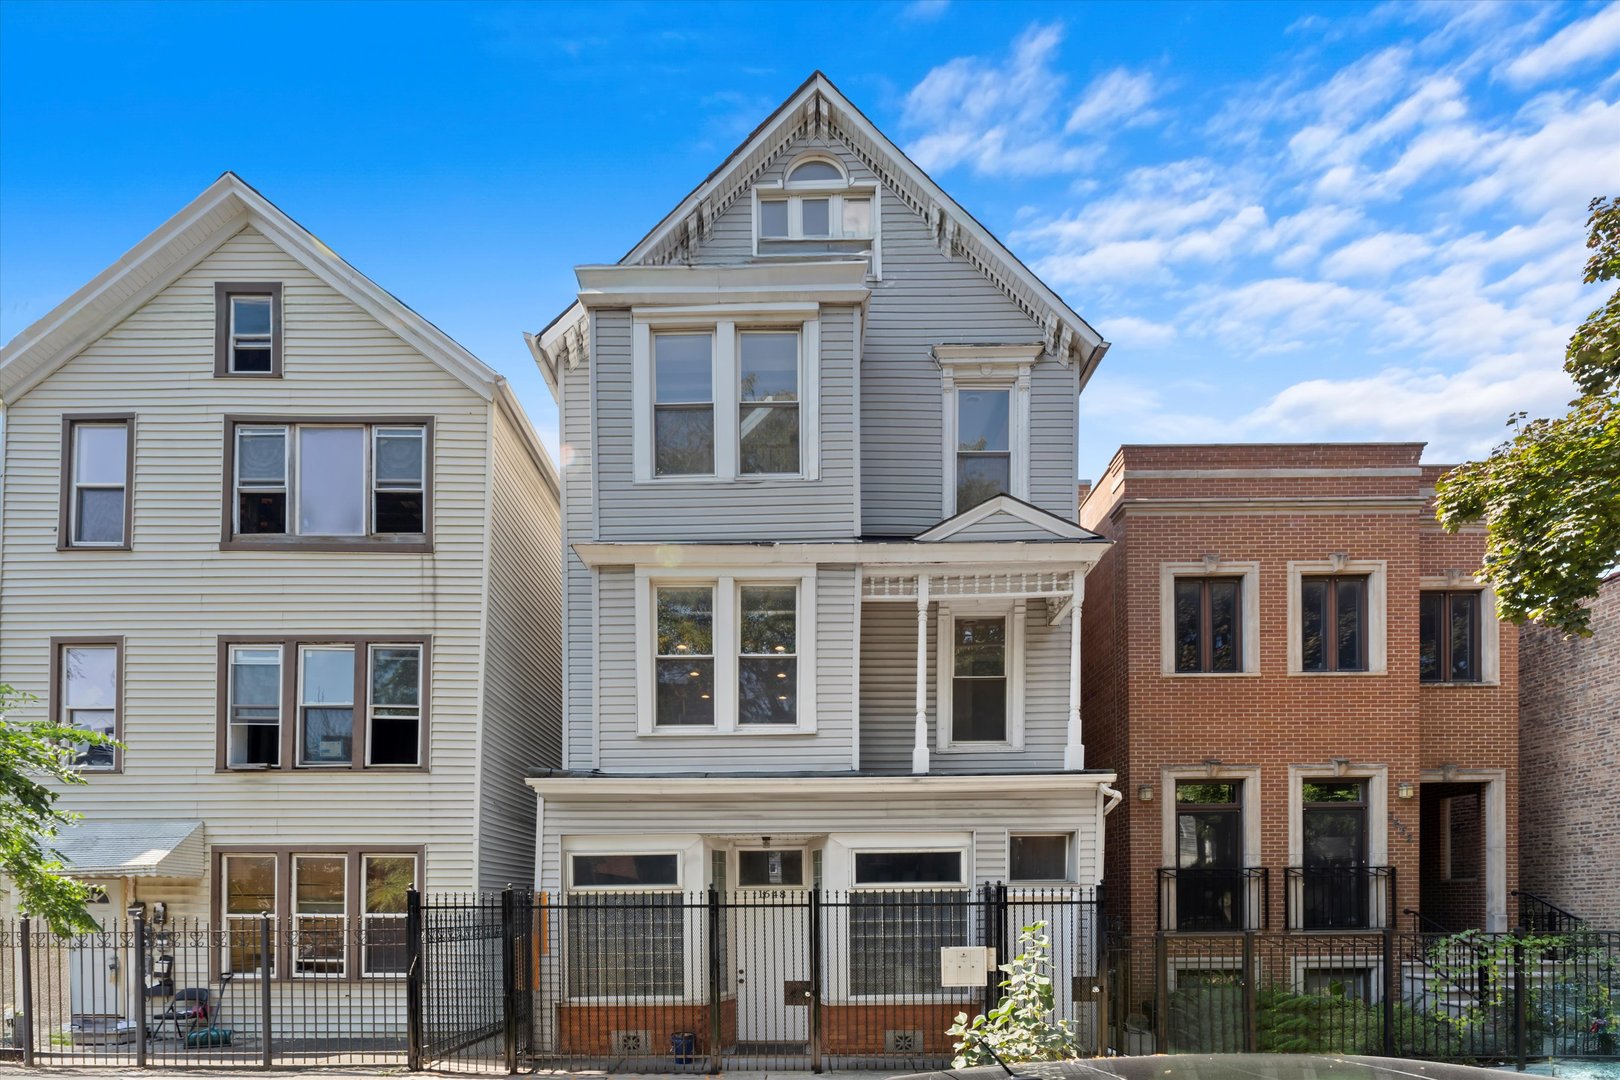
column 771, row 947
column 97, row 977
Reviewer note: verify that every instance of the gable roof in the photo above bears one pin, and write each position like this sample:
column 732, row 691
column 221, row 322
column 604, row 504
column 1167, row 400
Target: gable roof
column 1009, row 506
column 818, row 107
column 227, row 206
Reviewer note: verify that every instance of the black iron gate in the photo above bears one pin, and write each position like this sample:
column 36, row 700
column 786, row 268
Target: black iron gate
column 468, row 984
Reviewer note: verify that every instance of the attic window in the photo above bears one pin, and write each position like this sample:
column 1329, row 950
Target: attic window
column 247, row 329
column 816, row 209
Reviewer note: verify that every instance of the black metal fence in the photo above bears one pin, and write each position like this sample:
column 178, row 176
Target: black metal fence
column 1459, row 997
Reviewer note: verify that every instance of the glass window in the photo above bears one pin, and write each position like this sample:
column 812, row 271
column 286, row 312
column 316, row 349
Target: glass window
column 983, row 447
column 816, row 217
column 100, row 478
column 326, row 704
column 261, row 480
column 90, row 699
column 895, row 939
column 626, row 871
column 907, row 867
column 394, row 736
column 251, row 339
column 815, row 171
column 1354, row 984
column 1333, row 619
column 857, row 214
column 1211, row 892
column 768, row 402
column 319, row 893
column 1039, row 858
column 387, row 880
column 331, row 481
column 399, row 480
column 1206, row 630
column 760, row 869
column 683, row 404
column 1448, row 628
column 685, row 657
column 250, row 894
column 979, row 681
column 767, row 670
column 773, row 218
column 637, row 942
column 254, row 732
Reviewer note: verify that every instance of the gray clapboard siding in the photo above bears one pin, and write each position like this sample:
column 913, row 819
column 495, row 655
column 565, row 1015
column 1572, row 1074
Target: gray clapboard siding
column 889, row 694
column 522, row 723
column 1000, row 526
column 829, row 748
column 579, row 596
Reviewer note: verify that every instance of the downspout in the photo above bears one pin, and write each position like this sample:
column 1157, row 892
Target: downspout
column 1115, row 797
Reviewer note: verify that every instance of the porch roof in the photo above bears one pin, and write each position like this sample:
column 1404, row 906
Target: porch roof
column 1076, row 554
column 109, row 849
column 722, row 784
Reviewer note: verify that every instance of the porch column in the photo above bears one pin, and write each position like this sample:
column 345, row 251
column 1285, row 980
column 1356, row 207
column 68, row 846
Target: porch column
column 919, row 750
column 1074, row 751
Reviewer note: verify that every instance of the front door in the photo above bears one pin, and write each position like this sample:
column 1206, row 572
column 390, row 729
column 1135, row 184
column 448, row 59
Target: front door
column 1335, row 882
column 97, row 978
column 1210, row 891
column 771, row 948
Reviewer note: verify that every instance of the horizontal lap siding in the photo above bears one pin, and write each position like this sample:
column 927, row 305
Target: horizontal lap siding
column 1000, row 526
column 579, row 601
column 176, row 591
column 523, row 657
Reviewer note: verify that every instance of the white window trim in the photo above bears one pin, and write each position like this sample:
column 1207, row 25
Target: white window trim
column 353, row 649
column 1376, row 571
column 1490, row 627
column 839, row 969
column 1016, row 613
column 689, row 867
column 254, row 919
column 238, row 340
column 1248, row 778
column 1249, row 587
column 727, row 627
column 986, row 368
column 726, row 322
column 1068, row 858
column 782, row 189
column 1377, row 781
column 342, row 970
column 371, row 703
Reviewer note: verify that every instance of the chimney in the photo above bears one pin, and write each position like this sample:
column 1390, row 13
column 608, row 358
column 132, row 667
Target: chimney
column 1085, row 489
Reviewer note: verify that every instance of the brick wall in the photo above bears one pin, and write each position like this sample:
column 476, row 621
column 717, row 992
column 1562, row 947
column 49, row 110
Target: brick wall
column 1569, row 745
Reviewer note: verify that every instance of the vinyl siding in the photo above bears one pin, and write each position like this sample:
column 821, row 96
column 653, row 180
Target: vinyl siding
column 828, row 748
column 889, row 694
column 1000, row 526
column 176, row 592
column 579, row 598
column 522, row 721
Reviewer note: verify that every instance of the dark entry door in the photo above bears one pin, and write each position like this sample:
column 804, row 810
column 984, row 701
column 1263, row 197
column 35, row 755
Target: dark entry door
column 1336, row 882
column 1209, row 856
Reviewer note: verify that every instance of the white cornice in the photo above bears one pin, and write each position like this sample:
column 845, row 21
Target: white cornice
column 987, row 354
column 712, row 787
column 993, row 554
column 832, row 281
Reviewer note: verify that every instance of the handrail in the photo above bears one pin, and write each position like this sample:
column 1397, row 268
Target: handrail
column 1561, row 921
column 1418, row 919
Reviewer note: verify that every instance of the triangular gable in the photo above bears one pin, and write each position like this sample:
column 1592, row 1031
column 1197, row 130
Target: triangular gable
column 219, row 213
column 1004, row 517
column 819, row 107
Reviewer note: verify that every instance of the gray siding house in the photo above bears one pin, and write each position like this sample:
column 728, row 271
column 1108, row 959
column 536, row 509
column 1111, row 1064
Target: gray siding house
column 822, row 574
column 299, row 551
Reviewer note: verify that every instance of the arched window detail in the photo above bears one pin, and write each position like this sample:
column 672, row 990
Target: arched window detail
column 816, row 171
column 815, row 206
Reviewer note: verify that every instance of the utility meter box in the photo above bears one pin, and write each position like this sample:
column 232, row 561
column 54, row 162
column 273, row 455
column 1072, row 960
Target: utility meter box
column 965, row 965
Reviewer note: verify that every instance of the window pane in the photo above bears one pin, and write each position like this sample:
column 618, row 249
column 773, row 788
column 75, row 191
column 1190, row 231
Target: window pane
column 261, row 457
column 1199, row 793
column 328, row 676
column 101, row 721
column 394, row 740
column 683, row 441
column 388, row 878
column 857, row 217
column 1464, row 627
column 769, row 367
column 686, row 621
column 1040, row 858
column 907, row 867
column 256, row 683
column 331, row 481
column 396, row 672
column 262, row 512
column 399, row 512
column 1431, row 613
column 767, row 690
column 251, row 358
column 683, row 368
column 816, row 216
column 1351, row 597
column 773, row 217
column 1313, row 598
column 1315, row 791
column 982, row 418
column 769, row 439
column 90, row 676
column 1223, row 626
column 815, row 170
column 318, row 884
column 250, row 884
column 637, row 940
column 100, row 516
column 758, row 868
column 328, row 736
column 980, row 477
column 399, row 456
column 100, row 453
column 979, row 710
column 255, row 743
column 1189, row 603
column 251, row 314
column 685, row 692
column 769, row 619
column 895, row 939
column 981, row 646
column 623, row 870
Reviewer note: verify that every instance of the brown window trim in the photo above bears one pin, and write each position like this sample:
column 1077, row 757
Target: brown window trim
column 64, row 522
column 283, row 854
column 54, row 696
column 408, row 543
column 289, row 700
column 1330, row 652
column 1444, row 645
column 223, row 291
column 1206, row 613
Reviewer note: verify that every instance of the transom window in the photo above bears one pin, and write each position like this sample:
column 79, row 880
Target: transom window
column 979, row 680
column 1208, row 634
column 1333, row 622
column 96, row 477
column 626, row 871
column 1449, row 635
column 89, row 688
column 683, row 404
column 330, row 481
column 768, row 868
column 908, row 867
column 983, row 446
column 247, row 329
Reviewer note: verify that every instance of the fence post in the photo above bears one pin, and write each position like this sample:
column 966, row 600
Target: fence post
column 266, row 987
column 1519, row 999
column 413, row 980
column 1161, row 994
column 815, row 979
column 509, row 1031
column 26, row 1017
column 715, row 930
column 1392, row 987
column 138, row 1007
column 1251, row 995
column 992, row 940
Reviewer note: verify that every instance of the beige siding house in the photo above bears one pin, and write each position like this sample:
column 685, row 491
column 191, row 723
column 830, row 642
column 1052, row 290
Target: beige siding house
column 300, row 552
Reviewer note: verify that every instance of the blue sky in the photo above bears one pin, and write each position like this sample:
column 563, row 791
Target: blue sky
column 1294, row 221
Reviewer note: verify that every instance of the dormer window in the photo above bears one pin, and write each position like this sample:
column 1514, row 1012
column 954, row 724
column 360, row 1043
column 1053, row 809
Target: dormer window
column 815, row 209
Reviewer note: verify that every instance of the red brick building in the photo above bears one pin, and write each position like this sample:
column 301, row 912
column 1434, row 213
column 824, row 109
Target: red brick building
column 1310, row 703
column 1569, row 741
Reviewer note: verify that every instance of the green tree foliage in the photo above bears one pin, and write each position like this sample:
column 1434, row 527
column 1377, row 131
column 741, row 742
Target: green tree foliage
column 1022, row 1026
column 33, row 753
column 1550, row 494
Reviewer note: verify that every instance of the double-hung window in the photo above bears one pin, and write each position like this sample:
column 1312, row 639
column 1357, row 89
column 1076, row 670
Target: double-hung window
column 1208, row 613
column 986, row 422
column 247, row 329
column 683, row 404
column 768, row 666
column 96, row 475
column 814, row 208
column 905, row 907
column 685, row 655
column 320, row 904
column 1449, row 635
column 979, row 680
column 249, row 896
column 254, row 720
column 1333, row 622
column 326, row 693
column 386, row 880
column 324, row 482
column 983, row 446
column 394, row 728
column 768, row 402
column 89, row 684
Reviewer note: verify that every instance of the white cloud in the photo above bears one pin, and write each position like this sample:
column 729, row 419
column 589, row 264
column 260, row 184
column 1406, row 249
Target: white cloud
column 1119, row 97
column 1571, row 47
column 1376, row 255
column 924, row 10
column 1140, row 333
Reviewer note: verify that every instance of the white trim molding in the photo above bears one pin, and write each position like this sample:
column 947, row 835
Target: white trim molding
column 1248, row 572
column 1006, row 504
column 1494, row 783
column 947, row 612
column 1377, row 629
column 1490, row 625
column 986, row 367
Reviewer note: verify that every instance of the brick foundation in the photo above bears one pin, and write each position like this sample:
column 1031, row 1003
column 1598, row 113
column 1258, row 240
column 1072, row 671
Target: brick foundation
column 859, row 1029
column 586, row 1029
